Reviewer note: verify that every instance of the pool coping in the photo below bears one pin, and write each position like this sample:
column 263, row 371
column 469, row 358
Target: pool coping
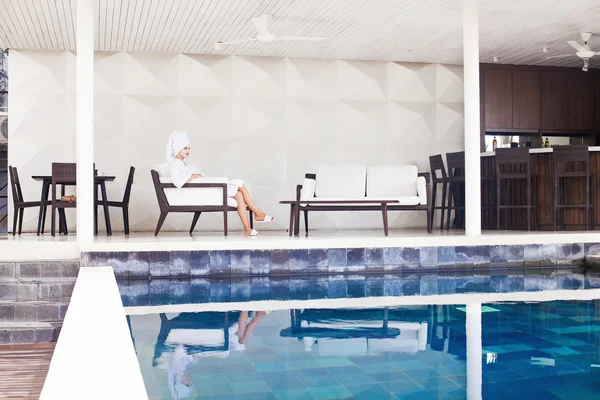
column 94, row 354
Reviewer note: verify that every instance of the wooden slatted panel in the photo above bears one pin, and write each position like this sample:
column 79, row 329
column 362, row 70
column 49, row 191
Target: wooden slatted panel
column 23, row 369
column 396, row 30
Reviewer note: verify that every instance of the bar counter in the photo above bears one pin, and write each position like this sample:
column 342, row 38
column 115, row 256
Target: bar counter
column 515, row 192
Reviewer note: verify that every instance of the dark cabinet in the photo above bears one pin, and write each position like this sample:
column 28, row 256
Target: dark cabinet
column 581, row 101
column 498, row 98
column 554, row 100
column 525, row 100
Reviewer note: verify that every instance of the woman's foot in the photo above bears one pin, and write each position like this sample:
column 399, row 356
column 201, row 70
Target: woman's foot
column 263, row 218
column 251, row 232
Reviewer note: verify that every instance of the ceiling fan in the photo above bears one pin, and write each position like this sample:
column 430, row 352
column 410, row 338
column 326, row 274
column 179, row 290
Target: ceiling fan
column 264, row 34
column 583, row 51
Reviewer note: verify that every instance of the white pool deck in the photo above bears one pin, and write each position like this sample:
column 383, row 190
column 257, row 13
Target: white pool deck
column 45, row 247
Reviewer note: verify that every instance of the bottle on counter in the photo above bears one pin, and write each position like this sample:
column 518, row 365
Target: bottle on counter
column 547, row 143
column 494, row 144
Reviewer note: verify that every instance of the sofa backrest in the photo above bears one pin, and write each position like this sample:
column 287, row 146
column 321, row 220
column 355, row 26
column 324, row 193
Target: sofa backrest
column 392, row 180
column 341, row 181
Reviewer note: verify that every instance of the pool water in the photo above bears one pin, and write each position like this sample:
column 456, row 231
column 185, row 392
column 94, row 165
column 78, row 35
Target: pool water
column 543, row 350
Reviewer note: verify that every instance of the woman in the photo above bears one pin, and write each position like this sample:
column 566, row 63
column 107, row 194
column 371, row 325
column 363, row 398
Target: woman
column 178, row 151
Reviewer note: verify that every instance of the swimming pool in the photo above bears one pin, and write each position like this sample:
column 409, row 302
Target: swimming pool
column 550, row 350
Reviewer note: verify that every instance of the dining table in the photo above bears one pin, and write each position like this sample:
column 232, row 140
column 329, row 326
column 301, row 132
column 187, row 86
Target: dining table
column 99, row 183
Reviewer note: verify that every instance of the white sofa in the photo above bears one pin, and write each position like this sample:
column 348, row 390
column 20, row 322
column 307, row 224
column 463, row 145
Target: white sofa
column 199, row 195
column 346, row 183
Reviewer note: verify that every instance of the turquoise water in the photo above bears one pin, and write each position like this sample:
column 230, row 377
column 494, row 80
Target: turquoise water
column 545, row 350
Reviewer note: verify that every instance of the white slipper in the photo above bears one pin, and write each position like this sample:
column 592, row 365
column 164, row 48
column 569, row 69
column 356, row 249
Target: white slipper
column 253, row 233
column 268, row 218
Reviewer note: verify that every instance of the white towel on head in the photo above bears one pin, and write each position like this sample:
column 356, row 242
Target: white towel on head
column 178, row 140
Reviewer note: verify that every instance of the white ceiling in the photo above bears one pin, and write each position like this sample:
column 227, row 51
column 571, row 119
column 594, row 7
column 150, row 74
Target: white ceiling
column 395, row 30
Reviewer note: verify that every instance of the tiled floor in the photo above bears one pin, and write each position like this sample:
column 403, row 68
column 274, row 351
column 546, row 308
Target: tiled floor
column 539, row 350
column 23, row 369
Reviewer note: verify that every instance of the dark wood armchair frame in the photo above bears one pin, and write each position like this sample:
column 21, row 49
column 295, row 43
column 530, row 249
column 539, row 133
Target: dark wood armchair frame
column 305, row 208
column 166, row 208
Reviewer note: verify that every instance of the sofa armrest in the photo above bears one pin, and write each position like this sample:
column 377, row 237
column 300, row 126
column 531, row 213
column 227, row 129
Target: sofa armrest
column 298, row 192
column 423, row 184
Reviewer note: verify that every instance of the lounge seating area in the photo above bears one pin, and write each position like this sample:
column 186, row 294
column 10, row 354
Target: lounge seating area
column 358, row 188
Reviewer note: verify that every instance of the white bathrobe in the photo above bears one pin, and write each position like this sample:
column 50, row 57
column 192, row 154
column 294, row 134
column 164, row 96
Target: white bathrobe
column 181, row 173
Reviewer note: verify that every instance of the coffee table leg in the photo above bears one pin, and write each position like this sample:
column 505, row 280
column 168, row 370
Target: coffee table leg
column 297, row 220
column 385, row 218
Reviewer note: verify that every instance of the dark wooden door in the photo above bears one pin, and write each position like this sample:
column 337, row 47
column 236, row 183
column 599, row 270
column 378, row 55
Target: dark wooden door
column 554, row 100
column 581, row 101
column 526, row 100
column 498, row 98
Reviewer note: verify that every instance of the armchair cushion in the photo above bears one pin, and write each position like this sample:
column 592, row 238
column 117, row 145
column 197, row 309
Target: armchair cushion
column 163, row 170
column 197, row 196
column 340, row 181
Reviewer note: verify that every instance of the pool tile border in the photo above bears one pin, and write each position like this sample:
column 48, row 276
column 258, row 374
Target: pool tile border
column 226, row 263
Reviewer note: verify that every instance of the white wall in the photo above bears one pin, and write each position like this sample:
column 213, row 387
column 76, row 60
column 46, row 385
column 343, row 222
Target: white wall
column 267, row 120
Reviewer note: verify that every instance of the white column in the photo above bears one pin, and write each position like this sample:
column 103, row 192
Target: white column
column 85, row 120
column 474, row 352
column 472, row 124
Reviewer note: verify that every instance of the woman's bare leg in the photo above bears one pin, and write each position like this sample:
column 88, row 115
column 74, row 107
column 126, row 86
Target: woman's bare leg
column 251, row 205
column 241, row 209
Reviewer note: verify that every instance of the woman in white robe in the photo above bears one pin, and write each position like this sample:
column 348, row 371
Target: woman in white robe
column 177, row 153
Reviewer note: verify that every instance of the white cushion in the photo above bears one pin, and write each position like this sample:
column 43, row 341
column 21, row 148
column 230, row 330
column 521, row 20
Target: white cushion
column 402, row 200
column 197, row 196
column 422, row 190
column 392, row 180
column 163, row 170
column 340, row 181
column 308, row 189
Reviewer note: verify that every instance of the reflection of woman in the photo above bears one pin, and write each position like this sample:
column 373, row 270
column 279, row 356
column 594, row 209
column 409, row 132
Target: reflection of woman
column 180, row 382
column 178, row 150
column 245, row 326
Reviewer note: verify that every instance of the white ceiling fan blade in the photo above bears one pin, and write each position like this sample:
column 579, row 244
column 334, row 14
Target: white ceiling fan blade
column 576, row 45
column 563, row 56
column 238, row 41
column 260, row 24
column 307, row 38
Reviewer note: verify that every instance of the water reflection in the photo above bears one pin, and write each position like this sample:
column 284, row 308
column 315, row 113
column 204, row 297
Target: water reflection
column 468, row 351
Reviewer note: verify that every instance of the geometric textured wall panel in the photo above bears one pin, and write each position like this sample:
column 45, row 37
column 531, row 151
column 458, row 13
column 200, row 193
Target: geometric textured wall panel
column 266, row 120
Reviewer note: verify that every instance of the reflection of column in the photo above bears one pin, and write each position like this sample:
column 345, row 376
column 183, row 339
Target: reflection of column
column 474, row 351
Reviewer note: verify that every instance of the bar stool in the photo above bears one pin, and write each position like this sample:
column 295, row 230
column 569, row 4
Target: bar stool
column 436, row 163
column 515, row 164
column 566, row 160
column 456, row 180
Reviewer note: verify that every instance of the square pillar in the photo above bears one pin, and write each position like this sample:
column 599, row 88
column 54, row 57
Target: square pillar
column 85, row 120
column 472, row 122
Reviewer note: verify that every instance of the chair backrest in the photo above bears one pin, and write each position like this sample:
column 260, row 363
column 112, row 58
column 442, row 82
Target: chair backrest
column 456, row 163
column 514, row 157
column 436, row 163
column 15, row 185
column 127, row 194
column 160, row 193
column 62, row 172
column 563, row 155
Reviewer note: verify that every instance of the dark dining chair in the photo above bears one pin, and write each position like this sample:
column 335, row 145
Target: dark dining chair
column 456, row 181
column 124, row 204
column 61, row 172
column 572, row 163
column 19, row 204
column 513, row 165
column 438, row 176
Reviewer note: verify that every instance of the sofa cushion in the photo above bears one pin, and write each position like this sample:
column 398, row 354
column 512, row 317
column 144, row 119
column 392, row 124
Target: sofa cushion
column 340, row 181
column 392, row 180
column 402, row 200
